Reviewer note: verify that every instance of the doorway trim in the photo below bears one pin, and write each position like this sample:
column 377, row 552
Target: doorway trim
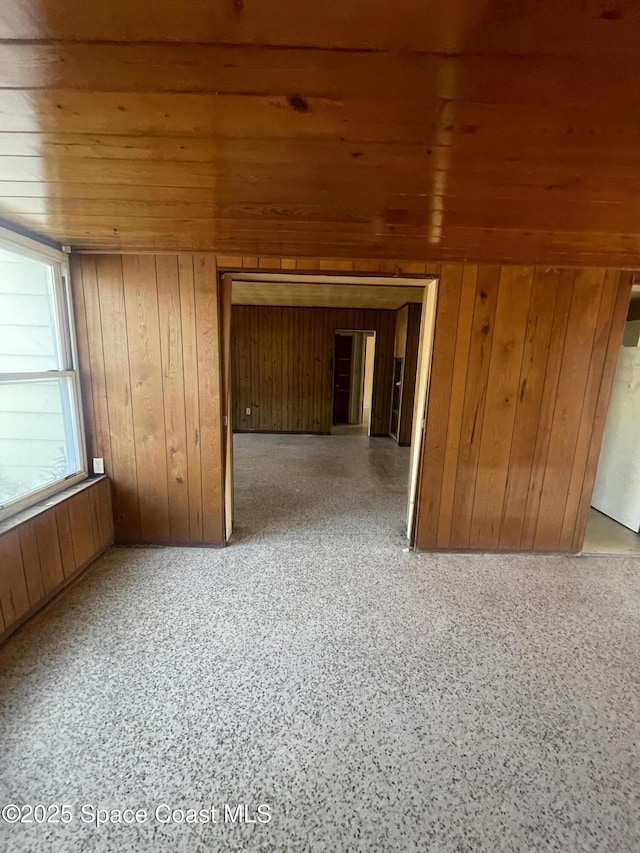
column 369, row 333
column 429, row 285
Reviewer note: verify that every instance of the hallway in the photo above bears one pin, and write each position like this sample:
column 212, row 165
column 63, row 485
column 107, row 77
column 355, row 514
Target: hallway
column 375, row 699
column 297, row 487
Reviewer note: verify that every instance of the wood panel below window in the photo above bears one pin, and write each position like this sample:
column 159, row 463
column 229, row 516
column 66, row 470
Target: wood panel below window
column 42, row 550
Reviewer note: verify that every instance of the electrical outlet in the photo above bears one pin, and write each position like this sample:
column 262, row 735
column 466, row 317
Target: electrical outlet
column 247, row 411
column 98, row 465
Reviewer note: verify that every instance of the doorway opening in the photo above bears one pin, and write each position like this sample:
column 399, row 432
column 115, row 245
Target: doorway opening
column 353, row 370
column 613, row 526
column 316, row 431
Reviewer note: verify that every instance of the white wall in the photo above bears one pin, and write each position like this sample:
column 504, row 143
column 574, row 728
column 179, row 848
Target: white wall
column 617, row 488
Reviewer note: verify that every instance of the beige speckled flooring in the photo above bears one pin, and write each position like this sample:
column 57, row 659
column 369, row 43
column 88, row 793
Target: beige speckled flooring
column 606, row 536
column 374, row 699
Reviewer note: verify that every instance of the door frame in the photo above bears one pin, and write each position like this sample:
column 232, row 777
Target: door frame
column 420, row 403
column 374, row 335
column 429, row 283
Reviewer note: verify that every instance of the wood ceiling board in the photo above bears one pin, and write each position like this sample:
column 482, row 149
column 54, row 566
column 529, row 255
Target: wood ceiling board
column 589, row 217
column 449, row 26
column 216, row 69
column 448, row 131
column 323, row 295
column 367, row 119
column 547, row 249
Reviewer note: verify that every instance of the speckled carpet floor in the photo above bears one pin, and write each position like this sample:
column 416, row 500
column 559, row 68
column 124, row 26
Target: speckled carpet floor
column 369, row 699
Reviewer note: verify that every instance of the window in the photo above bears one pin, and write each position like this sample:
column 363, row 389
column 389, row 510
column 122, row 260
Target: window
column 41, row 441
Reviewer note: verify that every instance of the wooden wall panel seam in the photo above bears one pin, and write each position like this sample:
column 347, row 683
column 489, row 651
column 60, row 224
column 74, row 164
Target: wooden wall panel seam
column 548, row 531
column 500, row 516
column 124, row 473
column 525, row 389
column 513, row 422
column 130, row 386
column 191, row 400
column 545, row 439
column 172, row 377
column 170, row 517
column 487, row 293
column 142, row 320
column 553, row 411
column 460, row 367
column 449, row 386
column 100, row 432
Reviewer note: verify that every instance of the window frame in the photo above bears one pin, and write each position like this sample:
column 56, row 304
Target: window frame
column 66, row 334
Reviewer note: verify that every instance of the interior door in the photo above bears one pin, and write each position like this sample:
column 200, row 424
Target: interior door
column 342, row 378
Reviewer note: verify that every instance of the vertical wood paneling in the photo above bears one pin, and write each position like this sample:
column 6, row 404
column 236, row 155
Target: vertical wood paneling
column 454, row 421
column 487, row 286
column 264, row 374
column 210, row 391
column 66, row 540
column 123, row 471
column 503, row 379
column 411, row 335
column 150, row 325
column 40, row 554
column 520, row 378
column 547, row 405
column 91, row 351
column 31, row 564
column 574, row 369
column 14, row 596
column 191, row 394
column 537, row 341
column 402, row 321
column 517, row 404
column 589, row 402
column 320, row 372
column 170, row 323
column 435, row 435
column 618, row 319
column 289, row 384
column 143, row 332
column 82, row 530
column 46, row 533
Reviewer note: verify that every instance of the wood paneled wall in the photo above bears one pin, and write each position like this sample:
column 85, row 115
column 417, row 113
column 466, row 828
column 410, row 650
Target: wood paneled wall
column 41, row 554
column 282, row 364
column 149, row 339
column 522, row 368
column 407, row 340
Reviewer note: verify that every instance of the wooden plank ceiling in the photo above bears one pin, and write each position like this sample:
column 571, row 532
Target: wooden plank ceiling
column 444, row 130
